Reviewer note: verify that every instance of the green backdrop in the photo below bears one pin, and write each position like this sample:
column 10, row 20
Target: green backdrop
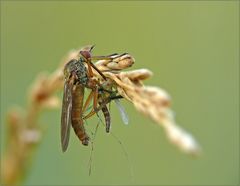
column 192, row 47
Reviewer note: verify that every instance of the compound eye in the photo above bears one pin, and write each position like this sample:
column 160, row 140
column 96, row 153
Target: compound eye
column 86, row 54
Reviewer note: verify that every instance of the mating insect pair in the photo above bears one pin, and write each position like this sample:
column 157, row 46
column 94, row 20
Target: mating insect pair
column 77, row 78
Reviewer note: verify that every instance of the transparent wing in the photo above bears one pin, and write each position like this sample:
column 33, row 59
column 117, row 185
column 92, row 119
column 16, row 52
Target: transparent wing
column 66, row 115
column 122, row 111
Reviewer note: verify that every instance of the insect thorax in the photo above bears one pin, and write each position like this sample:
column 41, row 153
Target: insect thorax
column 78, row 67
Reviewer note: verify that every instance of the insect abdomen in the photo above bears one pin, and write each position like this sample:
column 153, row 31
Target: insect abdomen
column 77, row 121
column 107, row 118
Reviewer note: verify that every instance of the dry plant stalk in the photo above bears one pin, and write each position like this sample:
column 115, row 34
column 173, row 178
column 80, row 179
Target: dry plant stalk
column 24, row 132
column 153, row 102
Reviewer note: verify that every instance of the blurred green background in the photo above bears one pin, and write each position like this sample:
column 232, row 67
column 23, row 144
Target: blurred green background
column 193, row 49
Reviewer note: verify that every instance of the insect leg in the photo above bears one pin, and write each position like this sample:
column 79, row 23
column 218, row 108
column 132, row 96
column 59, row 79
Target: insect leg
column 86, row 104
column 90, row 72
column 97, row 109
column 95, row 99
column 95, row 102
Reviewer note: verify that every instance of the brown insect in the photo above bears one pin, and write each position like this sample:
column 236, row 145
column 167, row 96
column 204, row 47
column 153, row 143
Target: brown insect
column 77, row 78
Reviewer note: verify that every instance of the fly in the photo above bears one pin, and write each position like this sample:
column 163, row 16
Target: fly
column 106, row 94
column 78, row 77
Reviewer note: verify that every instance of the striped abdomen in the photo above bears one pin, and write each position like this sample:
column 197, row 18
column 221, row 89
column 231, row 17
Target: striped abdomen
column 107, row 117
column 77, row 121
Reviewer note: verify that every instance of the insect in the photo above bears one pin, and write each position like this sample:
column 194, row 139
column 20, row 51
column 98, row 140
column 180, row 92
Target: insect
column 106, row 113
column 106, row 94
column 77, row 78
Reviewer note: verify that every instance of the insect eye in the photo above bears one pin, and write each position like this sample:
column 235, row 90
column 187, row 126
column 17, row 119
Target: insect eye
column 85, row 54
